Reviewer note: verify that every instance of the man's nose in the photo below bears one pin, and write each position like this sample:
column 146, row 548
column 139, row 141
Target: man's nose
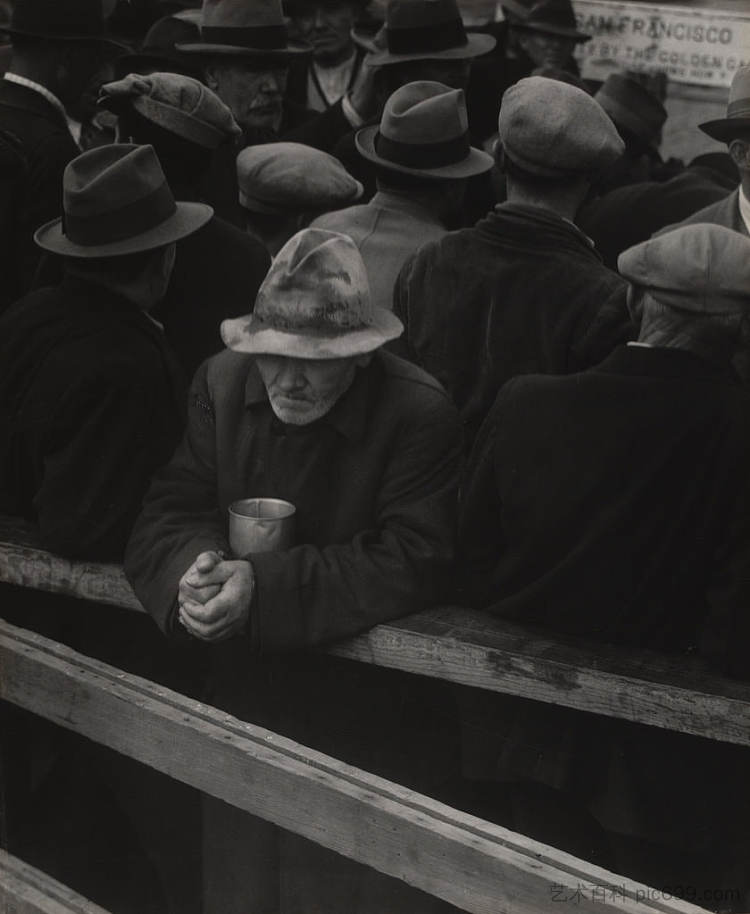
column 271, row 83
column 290, row 378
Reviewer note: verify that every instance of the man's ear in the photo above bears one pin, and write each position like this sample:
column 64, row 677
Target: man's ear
column 739, row 150
column 209, row 74
column 634, row 303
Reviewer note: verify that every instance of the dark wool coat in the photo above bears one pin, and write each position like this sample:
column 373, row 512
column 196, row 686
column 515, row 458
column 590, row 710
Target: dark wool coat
column 217, row 273
column 631, row 214
column 614, row 505
column 35, row 147
column 523, row 291
column 91, row 403
column 725, row 212
column 374, row 483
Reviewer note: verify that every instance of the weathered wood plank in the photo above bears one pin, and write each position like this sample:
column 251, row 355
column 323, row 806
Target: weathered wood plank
column 468, row 648
column 26, row 890
column 473, row 864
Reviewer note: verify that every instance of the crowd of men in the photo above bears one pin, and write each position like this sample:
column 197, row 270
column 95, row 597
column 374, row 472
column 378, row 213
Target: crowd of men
column 448, row 300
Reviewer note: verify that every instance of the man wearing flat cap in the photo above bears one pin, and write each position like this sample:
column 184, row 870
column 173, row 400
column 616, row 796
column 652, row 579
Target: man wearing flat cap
column 90, row 392
column 285, row 186
column 423, row 161
column 217, row 269
column 614, row 504
column 305, row 406
column 523, row 290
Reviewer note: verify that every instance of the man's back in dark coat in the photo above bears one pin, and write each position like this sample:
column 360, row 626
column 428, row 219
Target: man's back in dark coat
column 521, row 292
column 91, row 404
column 608, row 503
column 217, row 273
column 35, row 147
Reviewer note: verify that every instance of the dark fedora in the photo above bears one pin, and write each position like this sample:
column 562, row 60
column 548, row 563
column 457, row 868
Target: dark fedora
column 423, row 30
column 424, row 131
column 552, row 17
column 158, row 52
column 248, row 28
column 633, row 107
column 738, row 110
column 116, row 201
column 59, row 20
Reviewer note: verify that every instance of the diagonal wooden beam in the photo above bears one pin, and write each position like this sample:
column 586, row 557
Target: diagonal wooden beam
column 26, row 890
column 473, row 864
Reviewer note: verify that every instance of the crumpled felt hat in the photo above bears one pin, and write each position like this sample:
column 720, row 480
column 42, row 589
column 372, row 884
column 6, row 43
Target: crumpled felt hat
column 314, row 304
column 700, row 268
column 424, row 131
column 292, row 177
column 179, row 104
column 633, row 107
column 248, row 28
column 116, row 201
column 422, row 30
column 738, row 110
column 552, row 17
column 553, row 129
column 60, row 20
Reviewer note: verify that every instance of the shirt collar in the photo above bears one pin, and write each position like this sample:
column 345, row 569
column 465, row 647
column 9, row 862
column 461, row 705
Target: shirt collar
column 744, row 209
column 349, row 414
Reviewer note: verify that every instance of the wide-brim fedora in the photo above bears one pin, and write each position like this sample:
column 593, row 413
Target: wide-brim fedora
column 424, row 131
column 52, row 20
column 116, row 201
column 422, row 30
column 314, row 303
column 552, row 17
column 737, row 118
column 232, row 28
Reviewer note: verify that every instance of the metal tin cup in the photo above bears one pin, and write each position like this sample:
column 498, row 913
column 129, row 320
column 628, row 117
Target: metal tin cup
column 260, row 525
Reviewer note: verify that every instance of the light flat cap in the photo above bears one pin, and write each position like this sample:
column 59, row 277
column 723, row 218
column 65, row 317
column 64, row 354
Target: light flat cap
column 700, row 268
column 553, row 129
column 291, row 177
column 179, row 104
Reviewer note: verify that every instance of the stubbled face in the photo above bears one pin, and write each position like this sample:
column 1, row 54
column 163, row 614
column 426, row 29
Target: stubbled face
column 303, row 390
column 253, row 92
column 327, row 26
column 547, row 50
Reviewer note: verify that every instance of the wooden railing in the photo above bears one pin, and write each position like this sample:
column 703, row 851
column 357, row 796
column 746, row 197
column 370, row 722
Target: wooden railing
column 468, row 648
column 26, row 890
column 476, row 865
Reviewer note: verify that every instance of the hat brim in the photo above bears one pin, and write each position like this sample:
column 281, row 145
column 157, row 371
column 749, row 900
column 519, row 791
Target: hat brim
column 726, row 129
column 562, row 31
column 476, row 45
column 476, row 163
column 188, row 218
column 74, row 36
column 254, row 337
column 231, row 50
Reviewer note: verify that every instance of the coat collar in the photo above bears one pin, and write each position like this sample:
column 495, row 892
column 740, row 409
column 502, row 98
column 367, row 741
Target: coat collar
column 402, row 204
column 533, row 225
column 22, row 98
column 664, row 362
column 349, row 416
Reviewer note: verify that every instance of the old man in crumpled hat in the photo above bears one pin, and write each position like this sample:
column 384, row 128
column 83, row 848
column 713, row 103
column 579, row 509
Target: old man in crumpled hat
column 305, row 406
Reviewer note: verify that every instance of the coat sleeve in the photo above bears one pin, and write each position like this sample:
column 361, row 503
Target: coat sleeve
column 180, row 516
column 400, row 564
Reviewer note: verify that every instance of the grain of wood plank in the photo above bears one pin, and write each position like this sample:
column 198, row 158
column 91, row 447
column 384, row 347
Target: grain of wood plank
column 473, row 864
column 468, row 648
column 26, row 890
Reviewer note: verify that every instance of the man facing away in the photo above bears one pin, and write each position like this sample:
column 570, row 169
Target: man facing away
column 614, row 504
column 305, row 406
column 57, row 46
column 92, row 397
column 423, row 161
column 523, row 290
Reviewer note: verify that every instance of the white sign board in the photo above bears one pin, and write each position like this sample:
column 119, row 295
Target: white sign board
column 703, row 47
